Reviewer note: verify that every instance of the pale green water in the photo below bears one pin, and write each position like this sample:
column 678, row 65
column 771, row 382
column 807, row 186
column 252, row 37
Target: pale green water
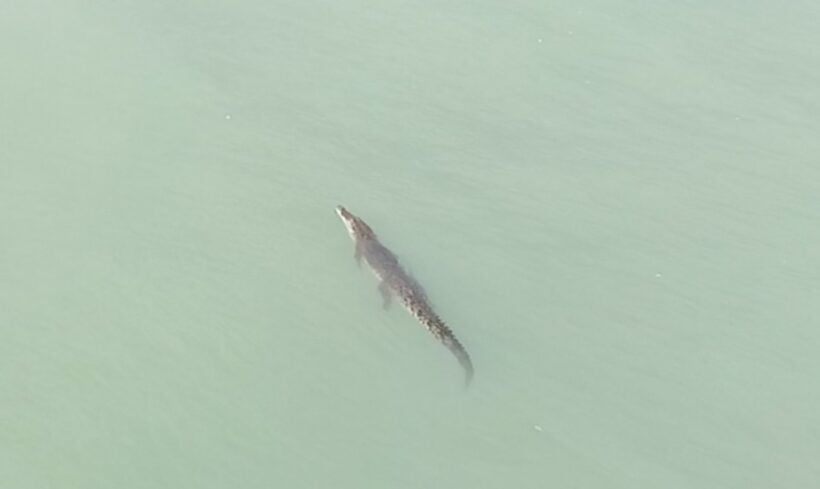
column 616, row 206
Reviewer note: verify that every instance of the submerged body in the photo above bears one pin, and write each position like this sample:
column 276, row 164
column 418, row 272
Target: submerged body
column 394, row 282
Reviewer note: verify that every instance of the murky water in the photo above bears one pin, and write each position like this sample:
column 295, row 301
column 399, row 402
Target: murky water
column 615, row 206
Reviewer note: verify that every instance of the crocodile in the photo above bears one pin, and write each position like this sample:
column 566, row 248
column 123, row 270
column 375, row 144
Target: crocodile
column 395, row 282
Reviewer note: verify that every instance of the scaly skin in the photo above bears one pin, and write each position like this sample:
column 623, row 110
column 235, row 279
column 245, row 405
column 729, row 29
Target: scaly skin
column 395, row 282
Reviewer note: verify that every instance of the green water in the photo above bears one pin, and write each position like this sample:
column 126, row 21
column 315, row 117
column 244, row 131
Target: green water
column 615, row 205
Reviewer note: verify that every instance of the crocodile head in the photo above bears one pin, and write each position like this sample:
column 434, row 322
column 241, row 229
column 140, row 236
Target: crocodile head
column 357, row 228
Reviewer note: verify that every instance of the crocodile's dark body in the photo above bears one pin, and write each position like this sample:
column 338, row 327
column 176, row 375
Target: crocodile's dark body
column 395, row 282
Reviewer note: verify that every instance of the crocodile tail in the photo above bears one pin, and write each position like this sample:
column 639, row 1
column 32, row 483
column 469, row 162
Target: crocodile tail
column 462, row 356
column 446, row 336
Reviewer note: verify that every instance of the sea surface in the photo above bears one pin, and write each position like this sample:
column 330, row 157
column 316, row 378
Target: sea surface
column 614, row 205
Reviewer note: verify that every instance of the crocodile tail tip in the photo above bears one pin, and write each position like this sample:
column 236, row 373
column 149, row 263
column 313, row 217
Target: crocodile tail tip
column 468, row 376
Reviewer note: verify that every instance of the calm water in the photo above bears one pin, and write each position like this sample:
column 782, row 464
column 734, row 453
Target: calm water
column 615, row 205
